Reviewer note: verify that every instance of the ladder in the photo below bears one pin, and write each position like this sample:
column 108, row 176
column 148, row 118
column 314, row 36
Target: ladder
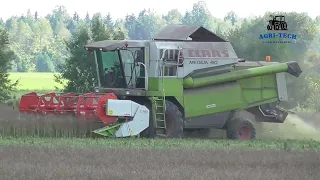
column 160, row 102
column 160, row 105
column 160, row 118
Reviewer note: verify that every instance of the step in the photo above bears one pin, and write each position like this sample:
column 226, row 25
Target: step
column 161, row 131
column 161, row 136
column 163, row 122
column 161, row 127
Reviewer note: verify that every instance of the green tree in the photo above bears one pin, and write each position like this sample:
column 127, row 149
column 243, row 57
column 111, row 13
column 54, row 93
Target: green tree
column 232, row 17
column 199, row 15
column 2, row 24
column 149, row 24
column 131, row 25
column 145, row 26
column 99, row 29
column 58, row 15
column 173, row 17
column 121, row 28
column 6, row 57
column 109, row 22
column 79, row 68
column 44, row 63
column 21, row 38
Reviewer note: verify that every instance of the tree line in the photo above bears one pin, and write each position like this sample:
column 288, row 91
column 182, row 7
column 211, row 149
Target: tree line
column 55, row 42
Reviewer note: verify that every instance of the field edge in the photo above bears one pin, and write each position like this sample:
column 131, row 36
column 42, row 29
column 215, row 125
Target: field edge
column 287, row 145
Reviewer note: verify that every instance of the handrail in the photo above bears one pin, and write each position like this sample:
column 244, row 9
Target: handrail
column 146, row 76
column 166, row 63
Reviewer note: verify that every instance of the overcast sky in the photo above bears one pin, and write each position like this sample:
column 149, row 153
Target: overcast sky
column 242, row 8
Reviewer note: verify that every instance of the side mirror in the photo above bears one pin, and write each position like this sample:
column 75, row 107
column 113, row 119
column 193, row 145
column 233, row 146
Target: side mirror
column 139, row 56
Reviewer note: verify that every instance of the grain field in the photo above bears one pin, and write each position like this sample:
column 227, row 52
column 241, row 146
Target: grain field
column 39, row 163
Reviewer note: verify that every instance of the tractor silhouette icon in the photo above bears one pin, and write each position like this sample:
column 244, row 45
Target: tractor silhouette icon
column 277, row 23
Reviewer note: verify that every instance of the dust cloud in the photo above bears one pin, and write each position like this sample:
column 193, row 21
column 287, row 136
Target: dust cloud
column 296, row 126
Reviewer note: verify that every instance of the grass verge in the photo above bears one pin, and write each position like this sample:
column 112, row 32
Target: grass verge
column 289, row 145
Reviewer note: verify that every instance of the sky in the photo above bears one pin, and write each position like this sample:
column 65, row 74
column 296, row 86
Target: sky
column 218, row 8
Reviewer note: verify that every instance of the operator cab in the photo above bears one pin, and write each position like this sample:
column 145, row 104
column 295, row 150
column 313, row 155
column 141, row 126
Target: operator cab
column 119, row 64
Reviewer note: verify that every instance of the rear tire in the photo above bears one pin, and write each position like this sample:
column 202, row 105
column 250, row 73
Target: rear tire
column 241, row 129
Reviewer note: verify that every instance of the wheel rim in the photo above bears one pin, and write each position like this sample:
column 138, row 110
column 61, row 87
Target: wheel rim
column 244, row 132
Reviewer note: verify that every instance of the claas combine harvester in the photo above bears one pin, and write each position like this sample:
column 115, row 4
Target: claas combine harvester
column 185, row 79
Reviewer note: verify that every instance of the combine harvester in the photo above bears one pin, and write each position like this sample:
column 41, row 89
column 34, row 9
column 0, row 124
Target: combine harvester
column 185, row 79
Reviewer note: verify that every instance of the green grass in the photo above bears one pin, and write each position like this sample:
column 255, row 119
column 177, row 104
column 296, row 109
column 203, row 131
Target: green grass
column 34, row 81
column 296, row 145
column 19, row 93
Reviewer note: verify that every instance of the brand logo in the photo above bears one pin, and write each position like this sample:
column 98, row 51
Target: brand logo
column 208, row 53
column 277, row 23
column 172, row 54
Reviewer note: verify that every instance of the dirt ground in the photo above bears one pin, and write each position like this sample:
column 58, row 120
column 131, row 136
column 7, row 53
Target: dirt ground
column 32, row 163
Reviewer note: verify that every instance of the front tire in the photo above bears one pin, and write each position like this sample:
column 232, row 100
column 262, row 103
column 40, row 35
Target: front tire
column 241, row 129
column 174, row 121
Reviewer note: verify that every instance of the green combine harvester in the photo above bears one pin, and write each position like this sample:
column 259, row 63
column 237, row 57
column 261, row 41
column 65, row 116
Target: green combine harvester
column 185, row 79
